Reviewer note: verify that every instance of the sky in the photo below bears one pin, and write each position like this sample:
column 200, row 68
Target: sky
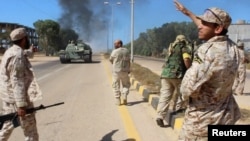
column 99, row 24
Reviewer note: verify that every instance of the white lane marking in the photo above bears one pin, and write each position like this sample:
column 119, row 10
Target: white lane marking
column 49, row 74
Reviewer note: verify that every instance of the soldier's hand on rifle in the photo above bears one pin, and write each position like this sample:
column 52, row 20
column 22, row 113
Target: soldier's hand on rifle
column 21, row 111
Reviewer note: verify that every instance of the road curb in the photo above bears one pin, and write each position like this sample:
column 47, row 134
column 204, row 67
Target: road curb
column 153, row 99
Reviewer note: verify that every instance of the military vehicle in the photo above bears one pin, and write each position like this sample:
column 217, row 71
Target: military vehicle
column 76, row 51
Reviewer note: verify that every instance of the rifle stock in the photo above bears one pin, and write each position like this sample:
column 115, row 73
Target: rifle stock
column 14, row 117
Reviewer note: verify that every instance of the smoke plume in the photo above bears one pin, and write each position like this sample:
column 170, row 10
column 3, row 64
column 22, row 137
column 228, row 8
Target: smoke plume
column 91, row 18
column 87, row 17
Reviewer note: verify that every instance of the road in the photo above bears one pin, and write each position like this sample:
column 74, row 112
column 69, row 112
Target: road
column 89, row 112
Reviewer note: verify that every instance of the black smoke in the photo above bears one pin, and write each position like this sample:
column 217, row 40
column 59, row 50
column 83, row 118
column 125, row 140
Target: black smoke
column 86, row 17
column 91, row 18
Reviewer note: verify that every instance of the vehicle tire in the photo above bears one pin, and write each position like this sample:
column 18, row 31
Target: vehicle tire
column 90, row 58
column 62, row 59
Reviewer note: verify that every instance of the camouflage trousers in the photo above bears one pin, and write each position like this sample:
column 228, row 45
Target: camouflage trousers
column 28, row 124
column 183, row 137
column 169, row 92
column 239, row 83
column 121, row 84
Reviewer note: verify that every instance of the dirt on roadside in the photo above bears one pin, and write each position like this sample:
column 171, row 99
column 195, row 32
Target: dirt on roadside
column 38, row 58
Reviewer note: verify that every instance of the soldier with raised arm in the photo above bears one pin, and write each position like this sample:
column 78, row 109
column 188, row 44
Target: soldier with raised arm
column 207, row 84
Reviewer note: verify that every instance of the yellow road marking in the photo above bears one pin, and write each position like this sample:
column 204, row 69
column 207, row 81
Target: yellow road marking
column 126, row 118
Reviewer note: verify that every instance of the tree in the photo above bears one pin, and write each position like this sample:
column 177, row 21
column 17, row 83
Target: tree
column 48, row 33
column 154, row 41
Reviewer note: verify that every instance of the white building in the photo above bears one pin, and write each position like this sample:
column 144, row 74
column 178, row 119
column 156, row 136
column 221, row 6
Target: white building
column 240, row 31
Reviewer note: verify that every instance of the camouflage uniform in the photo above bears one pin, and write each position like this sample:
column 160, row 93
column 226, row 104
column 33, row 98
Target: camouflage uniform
column 18, row 88
column 120, row 60
column 207, row 85
column 239, row 82
column 171, row 77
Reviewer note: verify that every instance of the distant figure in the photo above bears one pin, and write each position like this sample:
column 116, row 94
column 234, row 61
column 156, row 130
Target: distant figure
column 178, row 60
column 239, row 82
column 120, row 60
column 207, row 84
column 18, row 87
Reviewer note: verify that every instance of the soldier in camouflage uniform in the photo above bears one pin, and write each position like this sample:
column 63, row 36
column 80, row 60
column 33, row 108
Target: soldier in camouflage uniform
column 120, row 60
column 178, row 59
column 18, row 87
column 208, row 83
column 239, row 82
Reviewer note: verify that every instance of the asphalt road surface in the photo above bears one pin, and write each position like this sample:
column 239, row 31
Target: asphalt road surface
column 89, row 112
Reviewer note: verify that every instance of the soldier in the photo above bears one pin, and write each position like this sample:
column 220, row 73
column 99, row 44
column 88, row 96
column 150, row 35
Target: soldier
column 178, row 60
column 18, row 87
column 207, row 84
column 120, row 59
column 239, row 82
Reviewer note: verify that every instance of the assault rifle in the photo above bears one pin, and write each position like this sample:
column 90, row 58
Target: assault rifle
column 13, row 117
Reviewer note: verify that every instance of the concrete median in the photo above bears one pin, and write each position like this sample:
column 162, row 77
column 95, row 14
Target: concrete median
column 174, row 120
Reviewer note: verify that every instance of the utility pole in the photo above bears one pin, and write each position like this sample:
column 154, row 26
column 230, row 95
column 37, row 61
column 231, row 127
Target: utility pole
column 132, row 31
column 112, row 18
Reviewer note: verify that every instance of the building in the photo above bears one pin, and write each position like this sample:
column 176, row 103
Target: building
column 240, row 31
column 6, row 28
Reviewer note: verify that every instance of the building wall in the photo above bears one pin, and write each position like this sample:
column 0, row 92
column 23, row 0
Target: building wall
column 240, row 32
column 6, row 28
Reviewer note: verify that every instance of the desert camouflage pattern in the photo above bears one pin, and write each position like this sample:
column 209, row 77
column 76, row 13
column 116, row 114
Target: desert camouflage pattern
column 239, row 82
column 216, row 15
column 207, row 85
column 28, row 124
column 18, row 88
column 18, row 84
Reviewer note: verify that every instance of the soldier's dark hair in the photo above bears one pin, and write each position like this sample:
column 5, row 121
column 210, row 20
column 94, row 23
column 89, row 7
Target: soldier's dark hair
column 223, row 32
column 121, row 42
column 17, row 42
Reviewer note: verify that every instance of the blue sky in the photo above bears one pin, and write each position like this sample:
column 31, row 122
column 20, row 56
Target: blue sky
column 147, row 14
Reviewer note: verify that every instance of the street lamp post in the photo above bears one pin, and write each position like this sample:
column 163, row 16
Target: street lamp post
column 107, row 37
column 112, row 18
column 132, row 31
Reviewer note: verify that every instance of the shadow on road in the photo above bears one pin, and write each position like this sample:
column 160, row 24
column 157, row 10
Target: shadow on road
column 137, row 102
column 108, row 137
column 82, row 62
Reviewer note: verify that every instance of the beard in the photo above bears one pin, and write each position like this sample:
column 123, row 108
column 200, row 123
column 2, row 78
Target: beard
column 27, row 45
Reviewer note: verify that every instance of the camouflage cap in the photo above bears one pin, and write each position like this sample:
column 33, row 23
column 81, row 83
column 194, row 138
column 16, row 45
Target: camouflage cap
column 18, row 34
column 216, row 15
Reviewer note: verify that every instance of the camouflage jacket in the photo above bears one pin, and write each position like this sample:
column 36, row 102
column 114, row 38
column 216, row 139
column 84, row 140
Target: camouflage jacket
column 174, row 66
column 17, row 82
column 207, row 85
